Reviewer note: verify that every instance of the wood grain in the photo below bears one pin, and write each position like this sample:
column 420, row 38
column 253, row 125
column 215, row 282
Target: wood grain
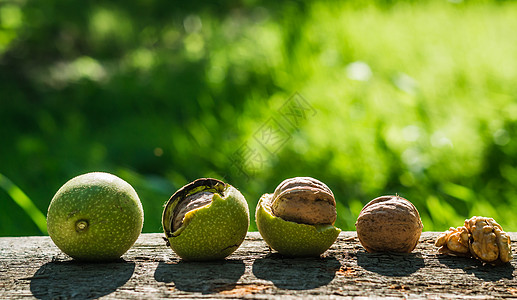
column 33, row 267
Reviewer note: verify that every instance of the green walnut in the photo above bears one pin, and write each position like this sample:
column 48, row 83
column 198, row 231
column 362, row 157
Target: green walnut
column 95, row 217
column 206, row 219
column 298, row 218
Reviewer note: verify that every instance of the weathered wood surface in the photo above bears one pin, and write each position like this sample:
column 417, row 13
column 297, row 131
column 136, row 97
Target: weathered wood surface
column 32, row 267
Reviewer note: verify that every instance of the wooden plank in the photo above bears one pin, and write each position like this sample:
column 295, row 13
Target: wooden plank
column 33, row 267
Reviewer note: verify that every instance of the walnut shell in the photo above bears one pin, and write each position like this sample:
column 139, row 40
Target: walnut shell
column 389, row 224
column 304, row 200
column 188, row 204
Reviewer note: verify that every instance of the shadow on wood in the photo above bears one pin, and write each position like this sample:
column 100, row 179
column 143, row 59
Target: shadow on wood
column 474, row 266
column 202, row 277
column 390, row 264
column 72, row 279
column 296, row 273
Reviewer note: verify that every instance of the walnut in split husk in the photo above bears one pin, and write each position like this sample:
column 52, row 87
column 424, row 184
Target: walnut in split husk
column 480, row 237
column 206, row 219
column 298, row 218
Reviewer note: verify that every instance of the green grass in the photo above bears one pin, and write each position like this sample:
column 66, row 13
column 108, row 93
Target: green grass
column 21, row 199
column 408, row 97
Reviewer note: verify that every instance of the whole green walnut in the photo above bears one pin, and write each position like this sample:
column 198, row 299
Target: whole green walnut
column 298, row 218
column 206, row 219
column 95, row 217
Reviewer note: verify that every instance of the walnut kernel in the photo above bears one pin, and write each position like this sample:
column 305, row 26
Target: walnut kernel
column 455, row 240
column 480, row 237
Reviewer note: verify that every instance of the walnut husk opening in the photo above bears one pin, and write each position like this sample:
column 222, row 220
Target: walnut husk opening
column 192, row 196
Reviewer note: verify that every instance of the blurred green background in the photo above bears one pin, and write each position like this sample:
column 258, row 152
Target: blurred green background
column 417, row 98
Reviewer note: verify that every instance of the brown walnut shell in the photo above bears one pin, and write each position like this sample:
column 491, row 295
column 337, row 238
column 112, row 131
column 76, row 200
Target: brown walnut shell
column 389, row 224
column 304, row 200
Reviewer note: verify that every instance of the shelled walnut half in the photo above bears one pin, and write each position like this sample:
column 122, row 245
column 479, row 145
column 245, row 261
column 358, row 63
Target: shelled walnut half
column 480, row 237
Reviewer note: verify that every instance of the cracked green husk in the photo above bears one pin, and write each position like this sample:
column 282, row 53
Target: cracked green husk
column 290, row 238
column 210, row 232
